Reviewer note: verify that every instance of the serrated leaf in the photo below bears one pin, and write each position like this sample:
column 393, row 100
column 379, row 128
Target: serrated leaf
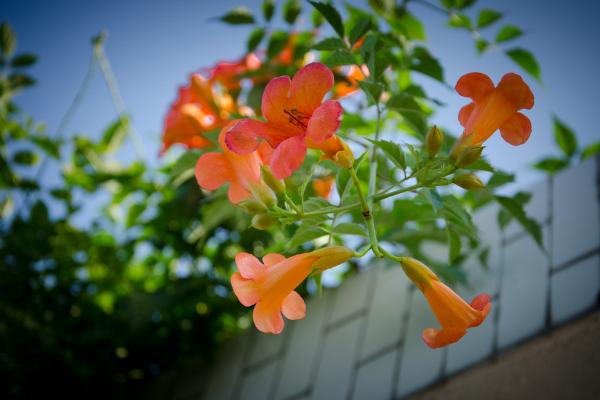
column 238, row 16
column 508, row 32
column 23, row 60
column 551, row 164
column 487, row 16
column 331, row 15
column 254, row 39
column 564, row 137
column 291, row 11
column 268, row 9
column 304, row 234
column 349, row 228
column 515, row 209
column 590, row 150
column 331, row 43
column 393, row 151
column 525, row 60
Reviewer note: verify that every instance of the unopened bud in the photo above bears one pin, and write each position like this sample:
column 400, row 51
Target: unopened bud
column 262, row 221
column 433, row 141
column 468, row 181
column 264, row 194
column 417, row 272
column 253, row 206
column 277, row 185
column 344, row 158
column 329, row 257
column 463, row 156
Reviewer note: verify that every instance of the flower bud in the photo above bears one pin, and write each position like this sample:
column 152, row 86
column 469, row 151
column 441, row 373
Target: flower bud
column 417, row 272
column 253, row 206
column 344, row 158
column 463, row 156
column 433, row 140
column 262, row 221
column 331, row 256
column 468, row 181
column 263, row 193
column 277, row 185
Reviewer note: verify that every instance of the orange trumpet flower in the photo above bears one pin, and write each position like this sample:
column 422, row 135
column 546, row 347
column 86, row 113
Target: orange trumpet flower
column 296, row 118
column 323, row 186
column 453, row 313
column 270, row 285
column 494, row 108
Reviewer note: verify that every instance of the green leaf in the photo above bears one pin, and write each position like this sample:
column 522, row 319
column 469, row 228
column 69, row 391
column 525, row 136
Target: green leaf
column 499, row 179
column 487, row 16
column 291, row 11
column 460, row 21
column 525, row 60
column 342, row 182
column 331, row 43
column 25, row 157
column 360, row 28
column 277, row 42
column 18, row 81
column 268, row 9
column 372, row 89
column 508, row 32
column 339, row 58
column 51, row 147
column 516, row 210
column 409, row 25
column 590, row 150
column 331, row 15
column 564, row 137
column 113, row 136
column 186, row 162
column 551, row 164
column 423, row 62
column 23, row 60
column 305, row 233
column 254, row 39
column 392, row 150
column 410, row 111
column 7, row 40
column 348, row 228
column 238, row 16
column 481, row 45
column 454, row 243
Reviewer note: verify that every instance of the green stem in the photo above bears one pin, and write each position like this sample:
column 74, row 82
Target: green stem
column 362, row 253
column 366, row 213
column 391, row 256
column 291, row 203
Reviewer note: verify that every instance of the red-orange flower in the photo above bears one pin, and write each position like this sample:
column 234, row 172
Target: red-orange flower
column 452, row 312
column 270, row 285
column 350, row 84
column 323, row 186
column 494, row 108
column 228, row 74
column 197, row 110
column 242, row 172
column 296, row 117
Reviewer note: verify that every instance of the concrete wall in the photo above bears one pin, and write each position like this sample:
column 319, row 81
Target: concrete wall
column 363, row 340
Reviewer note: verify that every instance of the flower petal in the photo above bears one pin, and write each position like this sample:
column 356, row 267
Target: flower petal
column 481, row 303
column 309, row 86
column 267, row 317
column 212, row 171
column 244, row 289
column 324, row 121
column 275, row 98
column 243, row 136
column 288, row 157
column 293, row 306
column 272, row 259
column 237, row 193
column 465, row 113
column 435, row 338
column 515, row 90
column 265, row 151
column 516, row 129
column 248, row 265
column 475, row 86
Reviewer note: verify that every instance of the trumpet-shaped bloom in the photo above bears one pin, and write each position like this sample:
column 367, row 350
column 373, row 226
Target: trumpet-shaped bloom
column 198, row 109
column 494, row 108
column 296, row 118
column 228, row 74
column 270, row 285
column 350, row 84
column 242, row 172
column 453, row 313
column 323, row 186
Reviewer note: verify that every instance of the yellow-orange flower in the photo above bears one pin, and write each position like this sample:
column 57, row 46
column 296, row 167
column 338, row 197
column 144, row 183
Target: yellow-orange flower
column 270, row 285
column 452, row 312
column 494, row 108
column 323, row 186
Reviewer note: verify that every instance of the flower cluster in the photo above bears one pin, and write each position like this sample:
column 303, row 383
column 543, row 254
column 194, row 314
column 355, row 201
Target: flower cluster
column 256, row 155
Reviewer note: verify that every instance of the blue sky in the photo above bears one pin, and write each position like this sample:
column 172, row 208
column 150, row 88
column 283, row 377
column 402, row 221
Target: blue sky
column 154, row 45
